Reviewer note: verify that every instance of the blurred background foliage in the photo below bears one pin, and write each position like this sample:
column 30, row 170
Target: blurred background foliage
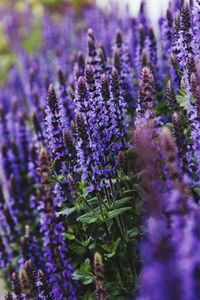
column 29, row 30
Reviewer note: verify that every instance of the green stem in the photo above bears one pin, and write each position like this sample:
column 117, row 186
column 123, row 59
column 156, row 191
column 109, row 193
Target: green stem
column 121, row 275
column 131, row 264
column 109, row 239
column 112, row 190
column 121, row 220
column 91, row 208
column 100, row 205
column 107, row 196
column 120, row 229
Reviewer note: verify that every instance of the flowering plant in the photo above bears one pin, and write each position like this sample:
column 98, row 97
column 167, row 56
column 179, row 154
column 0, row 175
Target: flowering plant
column 99, row 156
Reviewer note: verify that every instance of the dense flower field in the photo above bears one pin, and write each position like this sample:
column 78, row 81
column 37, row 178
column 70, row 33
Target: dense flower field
column 100, row 156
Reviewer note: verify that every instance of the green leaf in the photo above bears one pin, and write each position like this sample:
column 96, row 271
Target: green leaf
column 66, row 212
column 182, row 101
column 161, row 108
column 111, row 249
column 82, row 189
column 14, row 246
column 92, row 199
column 106, row 247
column 116, row 212
column 187, row 132
column 78, row 249
column 86, row 266
column 69, row 236
column 88, row 218
column 122, row 202
column 92, row 246
column 115, row 245
column 110, row 254
column 127, row 192
column 89, row 296
column 133, row 233
column 170, row 126
column 83, row 276
column 57, row 178
column 182, row 92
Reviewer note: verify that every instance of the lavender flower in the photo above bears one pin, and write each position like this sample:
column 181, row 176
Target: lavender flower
column 171, row 98
column 180, row 140
column 55, row 249
column 118, row 106
column 45, row 290
column 4, row 258
column 147, row 100
column 195, row 20
column 70, row 177
column 66, row 106
column 30, row 249
column 84, row 148
column 32, row 278
column 195, row 88
column 17, row 286
column 54, row 127
column 123, row 66
column 92, row 54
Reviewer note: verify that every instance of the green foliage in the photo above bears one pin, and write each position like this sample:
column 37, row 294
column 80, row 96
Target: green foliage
column 108, row 223
column 161, row 109
column 182, row 101
column 84, row 273
column 66, row 211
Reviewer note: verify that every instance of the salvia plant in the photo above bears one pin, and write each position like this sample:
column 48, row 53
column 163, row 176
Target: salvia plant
column 100, row 155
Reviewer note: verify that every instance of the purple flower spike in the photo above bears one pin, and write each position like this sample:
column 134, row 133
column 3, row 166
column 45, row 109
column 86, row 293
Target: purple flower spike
column 85, row 155
column 32, row 278
column 66, row 105
column 147, row 98
column 171, row 98
column 93, row 58
column 123, row 65
column 45, row 290
column 17, row 286
column 57, row 263
column 54, row 127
